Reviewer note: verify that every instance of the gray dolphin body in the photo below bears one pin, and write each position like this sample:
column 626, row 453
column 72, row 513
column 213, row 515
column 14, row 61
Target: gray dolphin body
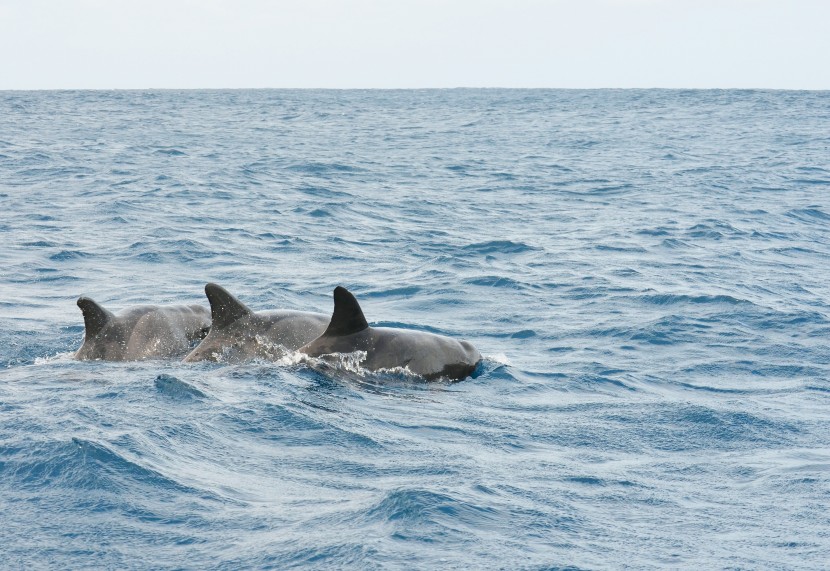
column 142, row 332
column 239, row 334
column 427, row 354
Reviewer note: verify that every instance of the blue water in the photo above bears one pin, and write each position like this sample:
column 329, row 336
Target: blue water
column 645, row 272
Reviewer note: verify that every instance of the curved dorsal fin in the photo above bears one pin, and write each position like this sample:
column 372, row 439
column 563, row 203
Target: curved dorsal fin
column 347, row 317
column 95, row 316
column 224, row 308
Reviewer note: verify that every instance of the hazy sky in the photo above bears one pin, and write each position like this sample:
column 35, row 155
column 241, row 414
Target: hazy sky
column 47, row 44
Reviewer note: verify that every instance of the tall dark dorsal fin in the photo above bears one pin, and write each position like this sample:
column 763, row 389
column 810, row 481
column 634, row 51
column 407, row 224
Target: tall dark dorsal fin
column 95, row 316
column 224, row 308
column 347, row 317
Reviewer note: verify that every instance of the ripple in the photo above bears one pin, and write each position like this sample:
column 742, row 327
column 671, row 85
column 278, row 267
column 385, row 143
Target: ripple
column 175, row 388
column 320, row 169
column 675, row 299
column 87, row 465
column 496, row 282
column 170, row 152
column 65, row 255
column 809, row 215
column 410, row 509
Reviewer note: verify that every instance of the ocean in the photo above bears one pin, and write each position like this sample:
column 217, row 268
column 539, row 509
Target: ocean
column 644, row 271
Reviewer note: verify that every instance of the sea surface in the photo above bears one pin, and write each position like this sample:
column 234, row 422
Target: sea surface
column 645, row 272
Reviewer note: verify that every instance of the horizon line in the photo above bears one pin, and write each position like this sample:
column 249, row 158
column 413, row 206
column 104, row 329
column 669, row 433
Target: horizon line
column 456, row 88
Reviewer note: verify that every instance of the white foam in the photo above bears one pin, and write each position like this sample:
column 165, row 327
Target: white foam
column 499, row 358
column 56, row 358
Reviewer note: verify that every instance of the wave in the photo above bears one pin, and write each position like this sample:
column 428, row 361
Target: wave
column 170, row 152
column 320, row 169
column 414, row 511
column 676, row 299
column 84, row 464
column 173, row 387
column 499, row 247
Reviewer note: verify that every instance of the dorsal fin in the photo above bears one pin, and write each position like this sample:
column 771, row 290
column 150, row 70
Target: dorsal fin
column 224, row 308
column 347, row 317
column 95, row 316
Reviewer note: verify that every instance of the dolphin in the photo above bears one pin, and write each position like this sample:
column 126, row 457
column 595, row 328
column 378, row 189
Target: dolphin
column 239, row 334
column 141, row 332
column 427, row 354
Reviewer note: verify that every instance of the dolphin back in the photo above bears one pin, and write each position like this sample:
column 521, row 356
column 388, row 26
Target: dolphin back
column 347, row 317
column 224, row 307
column 140, row 332
column 426, row 354
column 95, row 317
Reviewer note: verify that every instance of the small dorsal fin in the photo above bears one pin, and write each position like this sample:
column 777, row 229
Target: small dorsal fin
column 347, row 317
column 224, row 308
column 95, row 316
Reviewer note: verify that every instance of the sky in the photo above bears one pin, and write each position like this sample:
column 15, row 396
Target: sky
column 138, row 44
